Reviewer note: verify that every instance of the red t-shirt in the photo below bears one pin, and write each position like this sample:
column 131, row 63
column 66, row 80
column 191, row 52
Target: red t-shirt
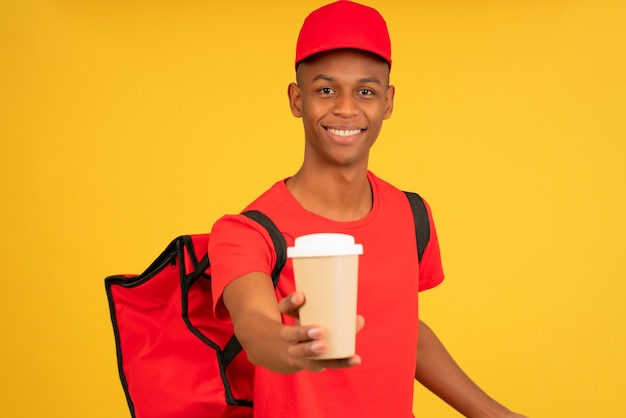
column 389, row 282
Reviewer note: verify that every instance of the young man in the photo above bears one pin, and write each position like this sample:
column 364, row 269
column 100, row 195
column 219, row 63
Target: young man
column 342, row 95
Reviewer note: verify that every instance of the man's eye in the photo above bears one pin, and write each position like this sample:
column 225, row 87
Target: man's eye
column 366, row 92
column 326, row 90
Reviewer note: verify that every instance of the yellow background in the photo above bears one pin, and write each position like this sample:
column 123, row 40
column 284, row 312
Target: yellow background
column 126, row 123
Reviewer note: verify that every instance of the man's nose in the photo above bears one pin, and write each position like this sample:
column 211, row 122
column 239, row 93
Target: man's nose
column 345, row 105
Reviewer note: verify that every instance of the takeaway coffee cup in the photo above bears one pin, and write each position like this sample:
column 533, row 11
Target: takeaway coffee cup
column 326, row 269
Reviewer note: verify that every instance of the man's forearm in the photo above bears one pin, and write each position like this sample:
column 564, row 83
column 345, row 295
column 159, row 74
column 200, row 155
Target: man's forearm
column 252, row 304
column 437, row 371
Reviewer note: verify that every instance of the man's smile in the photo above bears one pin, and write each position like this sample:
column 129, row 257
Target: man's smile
column 344, row 132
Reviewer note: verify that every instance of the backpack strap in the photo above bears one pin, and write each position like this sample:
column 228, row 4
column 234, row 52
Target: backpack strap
column 422, row 223
column 233, row 347
column 280, row 245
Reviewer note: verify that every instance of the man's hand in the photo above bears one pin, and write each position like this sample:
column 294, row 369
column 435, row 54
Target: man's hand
column 307, row 342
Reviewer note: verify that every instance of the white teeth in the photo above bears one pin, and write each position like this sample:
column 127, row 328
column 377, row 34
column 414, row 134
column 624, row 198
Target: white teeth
column 341, row 132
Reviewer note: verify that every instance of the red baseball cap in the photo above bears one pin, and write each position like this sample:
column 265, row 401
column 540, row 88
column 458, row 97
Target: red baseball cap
column 344, row 25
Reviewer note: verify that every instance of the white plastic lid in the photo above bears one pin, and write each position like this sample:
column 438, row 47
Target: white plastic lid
column 323, row 245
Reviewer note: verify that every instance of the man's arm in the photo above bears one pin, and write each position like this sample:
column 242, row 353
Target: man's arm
column 255, row 312
column 437, row 371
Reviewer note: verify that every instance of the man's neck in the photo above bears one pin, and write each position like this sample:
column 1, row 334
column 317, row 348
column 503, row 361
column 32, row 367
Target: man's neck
column 339, row 195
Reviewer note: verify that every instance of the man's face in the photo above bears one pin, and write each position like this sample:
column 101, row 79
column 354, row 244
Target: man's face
column 342, row 96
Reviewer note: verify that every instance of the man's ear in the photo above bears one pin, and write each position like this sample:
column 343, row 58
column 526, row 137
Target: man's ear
column 295, row 99
column 391, row 92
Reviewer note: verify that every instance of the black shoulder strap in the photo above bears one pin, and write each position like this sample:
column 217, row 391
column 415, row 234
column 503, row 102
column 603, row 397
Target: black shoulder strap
column 422, row 223
column 280, row 245
column 233, row 346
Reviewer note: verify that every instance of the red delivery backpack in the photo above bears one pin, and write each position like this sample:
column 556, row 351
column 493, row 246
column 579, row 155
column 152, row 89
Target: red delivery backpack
column 175, row 359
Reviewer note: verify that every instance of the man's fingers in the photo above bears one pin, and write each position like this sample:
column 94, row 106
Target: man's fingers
column 291, row 304
column 297, row 334
column 307, row 350
column 360, row 322
column 305, row 343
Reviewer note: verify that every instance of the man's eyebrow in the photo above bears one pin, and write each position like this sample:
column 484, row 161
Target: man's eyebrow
column 370, row 80
column 324, row 77
column 332, row 79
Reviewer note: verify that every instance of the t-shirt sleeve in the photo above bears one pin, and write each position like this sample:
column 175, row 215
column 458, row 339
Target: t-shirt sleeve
column 431, row 268
column 237, row 246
